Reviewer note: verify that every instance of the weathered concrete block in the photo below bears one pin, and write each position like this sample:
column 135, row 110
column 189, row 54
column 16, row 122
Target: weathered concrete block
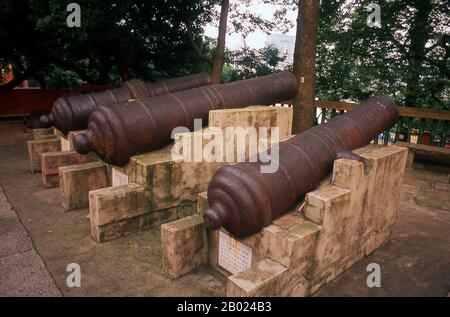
column 290, row 242
column 112, row 204
column 37, row 147
column 322, row 199
column 51, row 161
column 410, row 160
column 167, row 181
column 65, row 144
column 260, row 280
column 128, row 226
column 170, row 188
column 384, row 181
column 50, row 180
column 202, row 202
column 253, row 116
column 58, row 133
column 357, row 211
column 184, row 245
column 40, row 134
column 186, row 208
column 45, row 137
column 77, row 180
column 228, row 136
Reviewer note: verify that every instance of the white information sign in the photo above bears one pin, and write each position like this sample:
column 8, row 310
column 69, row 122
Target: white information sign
column 234, row 256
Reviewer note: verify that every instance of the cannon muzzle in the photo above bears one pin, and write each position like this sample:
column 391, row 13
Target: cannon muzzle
column 82, row 143
column 46, row 120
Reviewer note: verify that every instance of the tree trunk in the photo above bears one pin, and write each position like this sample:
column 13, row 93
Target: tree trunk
column 217, row 60
column 41, row 79
column 305, row 63
column 121, row 61
column 102, row 78
column 419, row 34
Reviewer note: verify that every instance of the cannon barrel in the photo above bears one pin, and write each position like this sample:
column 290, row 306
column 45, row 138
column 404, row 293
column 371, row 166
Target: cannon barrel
column 72, row 113
column 243, row 200
column 116, row 133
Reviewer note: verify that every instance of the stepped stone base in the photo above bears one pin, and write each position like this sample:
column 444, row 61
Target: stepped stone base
column 339, row 224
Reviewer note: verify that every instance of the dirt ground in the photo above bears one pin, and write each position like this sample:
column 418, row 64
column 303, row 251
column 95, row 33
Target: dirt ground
column 38, row 240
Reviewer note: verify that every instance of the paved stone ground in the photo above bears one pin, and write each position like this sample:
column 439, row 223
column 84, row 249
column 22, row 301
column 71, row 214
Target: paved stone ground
column 38, row 240
column 22, row 271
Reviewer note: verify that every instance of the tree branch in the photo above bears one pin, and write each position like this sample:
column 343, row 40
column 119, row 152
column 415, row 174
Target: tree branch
column 400, row 46
column 191, row 41
column 442, row 67
column 439, row 42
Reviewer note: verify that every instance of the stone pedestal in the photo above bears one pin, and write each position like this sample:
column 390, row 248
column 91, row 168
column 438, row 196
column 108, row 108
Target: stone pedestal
column 42, row 134
column 77, row 180
column 46, row 141
column 51, row 161
column 159, row 187
column 37, row 147
column 53, row 150
column 337, row 225
column 186, row 245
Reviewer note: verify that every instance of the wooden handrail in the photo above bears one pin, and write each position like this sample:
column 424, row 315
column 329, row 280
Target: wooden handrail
column 427, row 153
column 443, row 115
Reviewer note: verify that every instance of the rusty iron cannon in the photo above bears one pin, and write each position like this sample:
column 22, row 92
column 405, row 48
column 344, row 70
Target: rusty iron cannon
column 243, row 200
column 72, row 113
column 116, row 133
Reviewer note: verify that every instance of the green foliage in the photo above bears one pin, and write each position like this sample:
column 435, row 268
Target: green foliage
column 57, row 78
column 247, row 63
column 146, row 38
column 356, row 61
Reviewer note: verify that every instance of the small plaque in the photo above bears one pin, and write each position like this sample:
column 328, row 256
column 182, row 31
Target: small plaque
column 65, row 145
column 119, row 178
column 234, row 256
